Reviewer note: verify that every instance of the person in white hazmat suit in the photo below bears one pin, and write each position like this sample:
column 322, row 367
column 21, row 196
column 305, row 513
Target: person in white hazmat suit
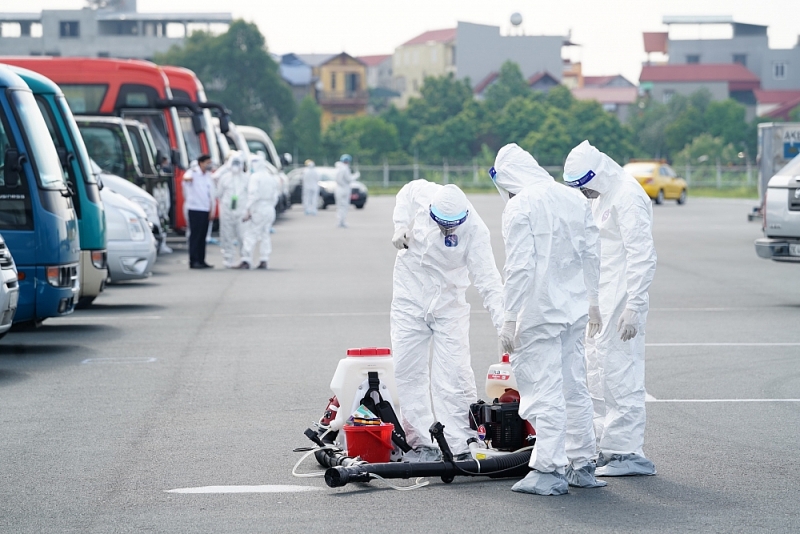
column 262, row 195
column 232, row 194
column 550, row 295
column 442, row 242
column 310, row 188
column 344, row 177
column 615, row 359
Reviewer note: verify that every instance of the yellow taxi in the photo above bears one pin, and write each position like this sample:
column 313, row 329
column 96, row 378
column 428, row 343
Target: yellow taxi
column 658, row 180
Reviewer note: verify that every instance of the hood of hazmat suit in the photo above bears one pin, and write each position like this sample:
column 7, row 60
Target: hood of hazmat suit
column 624, row 214
column 430, row 316
column 232, row 184
column 262, row 188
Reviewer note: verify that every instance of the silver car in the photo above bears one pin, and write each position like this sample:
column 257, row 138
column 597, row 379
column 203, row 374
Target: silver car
column 9, row 288
column 131, row 245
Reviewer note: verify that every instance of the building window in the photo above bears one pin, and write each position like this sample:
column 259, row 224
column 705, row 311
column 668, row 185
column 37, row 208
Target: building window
column 69, row 28
column 693, row 58
column 667, row 96
column 333, row 81
column 779, row 69
column 741, row 59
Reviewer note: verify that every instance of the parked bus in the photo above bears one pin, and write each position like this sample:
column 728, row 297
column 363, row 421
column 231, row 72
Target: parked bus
column 132, row 89
column 37, row 217
column 75, row 160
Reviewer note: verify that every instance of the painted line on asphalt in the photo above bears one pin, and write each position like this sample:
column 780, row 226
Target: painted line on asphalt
column 118, row 360
column 648, row 398
column 84, row 316
column 722, row 344
column 708, row 309
column 321, row 314
column 246, row 489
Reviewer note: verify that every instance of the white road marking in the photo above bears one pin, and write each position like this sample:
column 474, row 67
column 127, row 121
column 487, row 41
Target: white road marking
column 722, row 344
column 119, row 360
column 95, row 317
column 246, row 489
column 648, row 398
column 705, row 309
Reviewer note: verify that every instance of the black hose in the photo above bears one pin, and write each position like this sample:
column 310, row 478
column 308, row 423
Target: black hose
column 511, row 465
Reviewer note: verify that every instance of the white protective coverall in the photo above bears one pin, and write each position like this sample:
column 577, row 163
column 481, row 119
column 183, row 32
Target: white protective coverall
column 552, row 272
column 310, row 189
column 232, row 194
column 262, row 195
column 344, row 177
column 430, row 315
column 624, row 214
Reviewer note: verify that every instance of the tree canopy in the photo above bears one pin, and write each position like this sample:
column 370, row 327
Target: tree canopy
column 236, row 69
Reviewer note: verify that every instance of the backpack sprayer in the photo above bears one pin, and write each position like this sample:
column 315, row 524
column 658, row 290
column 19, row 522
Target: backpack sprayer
column 365, row 379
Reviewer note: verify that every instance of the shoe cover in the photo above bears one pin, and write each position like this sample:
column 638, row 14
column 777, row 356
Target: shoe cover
column 423, row 454
column 583, row 477
column 538, row 483
column 622, row 465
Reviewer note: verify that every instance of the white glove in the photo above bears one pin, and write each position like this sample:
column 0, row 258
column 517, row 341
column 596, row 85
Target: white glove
column 507, row 334
column 628, row 324
column 400, row 238
column 595, row 321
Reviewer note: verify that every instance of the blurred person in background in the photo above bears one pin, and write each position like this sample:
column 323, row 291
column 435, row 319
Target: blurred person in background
column 344, row 177
column 262, row 195
column 310, row 188
column 198, row 204
column 232, row 194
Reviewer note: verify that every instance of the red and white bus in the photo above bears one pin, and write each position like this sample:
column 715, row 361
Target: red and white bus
column 133, row 89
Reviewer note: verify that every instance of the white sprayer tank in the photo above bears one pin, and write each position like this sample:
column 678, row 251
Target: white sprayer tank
column 351, row 381
column 500, row 378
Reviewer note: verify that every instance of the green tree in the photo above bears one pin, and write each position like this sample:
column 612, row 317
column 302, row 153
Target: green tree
column 520, row 117
column 705, row 148
column 303, row 136
column 559, row 97
column 441, row 98
column 551, row 144
column 367, row 138
column 726, row 119
column 510, row 83
column 236, row 69
column 452, row 139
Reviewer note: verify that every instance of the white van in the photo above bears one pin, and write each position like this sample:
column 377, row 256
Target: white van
column 9, row 288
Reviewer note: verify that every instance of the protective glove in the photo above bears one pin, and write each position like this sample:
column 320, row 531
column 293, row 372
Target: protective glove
column 595, row 321
column 507, row 334
column 628, row 324
column 400, row 238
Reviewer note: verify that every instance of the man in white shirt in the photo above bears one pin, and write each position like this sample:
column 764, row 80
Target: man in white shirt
column 198, row 201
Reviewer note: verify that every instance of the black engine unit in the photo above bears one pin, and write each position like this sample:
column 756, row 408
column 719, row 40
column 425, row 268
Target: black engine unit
column 504, row 427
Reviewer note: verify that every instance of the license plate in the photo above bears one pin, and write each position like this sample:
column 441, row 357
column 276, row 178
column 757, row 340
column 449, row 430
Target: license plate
column 354, row 196
column 794, row 250
column 12, row 302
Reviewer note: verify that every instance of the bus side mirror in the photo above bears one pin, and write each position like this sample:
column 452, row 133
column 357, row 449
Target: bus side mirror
column 12, row 163
column 175, row 157
column 197, row 123
column 224, row 123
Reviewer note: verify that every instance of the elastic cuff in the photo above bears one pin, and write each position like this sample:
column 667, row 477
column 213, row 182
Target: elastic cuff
column 594, row 302
column 510, row 316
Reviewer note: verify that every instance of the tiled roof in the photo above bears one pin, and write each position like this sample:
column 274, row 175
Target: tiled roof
column 539, row 76
column 607, row 95
column 655, row 42
column 597, row 81
column 697, row 72
column 784, row 109
column 775, row 97
column 373, row 61
column 486, row 82
column 438, row 36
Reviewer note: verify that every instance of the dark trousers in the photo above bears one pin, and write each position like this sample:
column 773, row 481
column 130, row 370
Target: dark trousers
column 198, row 226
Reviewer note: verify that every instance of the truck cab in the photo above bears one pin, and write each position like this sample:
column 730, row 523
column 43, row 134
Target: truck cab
column 75, row 161
column 37, row 215
column 781, row 212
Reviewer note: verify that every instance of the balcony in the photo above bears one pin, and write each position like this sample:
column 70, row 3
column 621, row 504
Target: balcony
column 343, row 98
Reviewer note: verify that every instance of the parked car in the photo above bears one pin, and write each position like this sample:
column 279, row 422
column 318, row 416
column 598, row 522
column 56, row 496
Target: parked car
column 9, row 288
column 131, row 245
column 145, row 200
column 781, row 223
column 327, row 188
column 659, row 181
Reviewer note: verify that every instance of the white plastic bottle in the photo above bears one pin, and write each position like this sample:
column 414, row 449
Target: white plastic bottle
column 500, row 378
column 351, row 380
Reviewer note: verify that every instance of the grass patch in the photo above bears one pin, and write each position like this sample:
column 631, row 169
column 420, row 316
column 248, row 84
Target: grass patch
column 733, row 192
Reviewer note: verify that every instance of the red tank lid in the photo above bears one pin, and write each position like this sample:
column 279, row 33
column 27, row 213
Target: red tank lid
column 505, row 358
column 370, row 351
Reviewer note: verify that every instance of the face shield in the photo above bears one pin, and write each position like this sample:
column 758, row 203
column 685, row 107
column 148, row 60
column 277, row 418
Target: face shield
column 505, row 194
column 581, row 183
column 448, row 225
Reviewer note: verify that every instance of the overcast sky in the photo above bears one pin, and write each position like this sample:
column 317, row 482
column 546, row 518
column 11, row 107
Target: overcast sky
column 609, row 31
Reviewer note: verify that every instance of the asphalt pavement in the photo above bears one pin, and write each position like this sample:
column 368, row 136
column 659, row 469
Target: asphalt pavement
column 207, row 378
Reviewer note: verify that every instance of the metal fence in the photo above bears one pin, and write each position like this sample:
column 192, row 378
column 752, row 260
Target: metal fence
column 476, row 176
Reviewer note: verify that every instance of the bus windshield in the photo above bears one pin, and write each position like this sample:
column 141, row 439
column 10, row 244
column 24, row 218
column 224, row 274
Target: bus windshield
column 105, row 146
column 190, row 138
column 158, row 128
column 15, row 202
column 42, row 149
column 77, row 140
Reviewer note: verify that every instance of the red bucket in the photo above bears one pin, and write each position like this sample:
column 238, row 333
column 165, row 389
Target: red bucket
column 373, row 443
